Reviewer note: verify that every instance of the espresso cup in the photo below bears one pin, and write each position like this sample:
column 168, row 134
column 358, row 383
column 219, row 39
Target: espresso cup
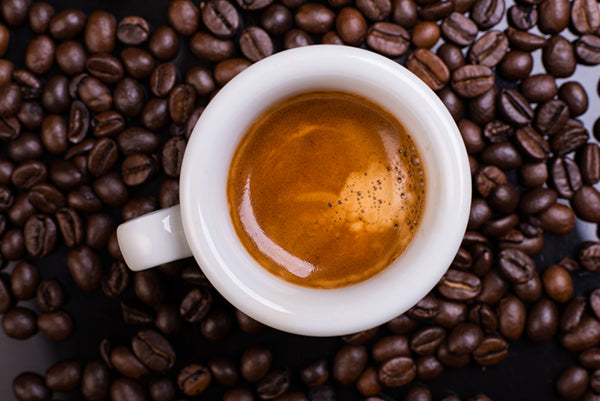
column 201, row 225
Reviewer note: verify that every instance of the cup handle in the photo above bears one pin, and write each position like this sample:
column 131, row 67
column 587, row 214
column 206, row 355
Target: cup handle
column 153, row 239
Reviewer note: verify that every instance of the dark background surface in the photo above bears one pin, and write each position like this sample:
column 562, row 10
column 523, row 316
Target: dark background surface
column 527, row 374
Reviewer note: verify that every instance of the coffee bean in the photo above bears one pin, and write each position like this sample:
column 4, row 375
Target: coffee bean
column 558, row 56
column 29, row 386
column 586, row 204
column 163, row 43
column 125, row 389
column 85, row 268
column 318, row 19
column 224, row 371
column 137, row 169
column 50, row 296
column 522, row 17
column 19, row 323
column 193, row 379
column 39, row 17
column 429, row 67
column 566, row 177
column 71, row 226
column 583, row 336
column 514, row 108
column 94, row 94
column 572, row 314
column 277, row 19
column 459, row 29
column 273, row 385
column 255, row 43
column 153, row 350
column 10, row 128
column 459, row 286
column 181, row 103
column 196, row 304
column 95, row 381
column 503, row 154
column 29, row 83
column 133, row 30
column 296, row 38
column 163, row 79
column 464, row 338
column 491, row 350
column 184, row 16
column 590, row 358
column 102, row 157
column 388, row 39
column 572, row 136
column 242, row 394
column 126, row 363
column 368, row 383
column 30, row 115
column 436, row 11
column 572, row 382
column 63, row 376
column 537, row 200
column 489, row 49
column 487, row 13
column 149, row 287
column 360, row 337
column 221, row 18
column 589, row 256
column 99, row 227
column 40, row 235
column 138, row 206
column 256, row 4
column 71, row 57
column 451, row 55
column 426, row 340
column 472, row 80
column 515, row 265
column 428, row 368
column 211, row 48
column 105, row 67
column 558, row 219
column 24, row 280
column 511, row 317
column 551, row 117
column 11, row 99
column 594, row 301
column 129, row 97
column 6, row 299
column 425, row 34
column 587, row 49
column 12, row 246
column 554, row 16
column 55, row 96
column 397, row 372
column 58, row 326
column 426, row 308
column 162, row 389
column 138, row 62
column 227, row 69
column 39, row 56
column 351, row 26
column 349, row 363
column 574, row 96
column 404, row 13
column 525, row 41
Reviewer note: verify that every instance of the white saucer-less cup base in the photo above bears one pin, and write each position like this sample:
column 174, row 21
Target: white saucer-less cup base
column 226, row 262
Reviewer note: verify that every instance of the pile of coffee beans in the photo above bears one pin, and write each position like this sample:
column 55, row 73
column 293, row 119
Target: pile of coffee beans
column 95, row 112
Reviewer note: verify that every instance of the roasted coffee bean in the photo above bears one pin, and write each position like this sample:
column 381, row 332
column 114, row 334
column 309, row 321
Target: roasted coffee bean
column 436, row 11
column 39, row 17
column 459, row 286
column 95, row 381
column 532, row 144
column 558, row 219
column 378, row 10
column 360, row 337
column 71, row 57
column 246, row 323
column 137, row 140
column 133, row 30
column 242, row 394
column 428, row 368
column 29, row 386
column 558, row 56
column 426, row 340
column 451, row 360
column 472, row 136
column 572, row 314
column 257, row 4
column 453, row 103
column 221, row 18
column 135, row 313
column 196, row 304
column 429, row 67
column 155, row 114
column 55, row 96
column 586, row 204
column 425, row 34
column 451, row 55
column 138, row 62
column 277, row 19
column 542, row 321
column 522, row 17
column 255, row 43
column 590, row 358
column 426, row 308
column 137, row 169
column 24, row 280
column 149, row 287
column 491, row 350
column 71, row 226
column 574, row 96
column 511, row 317
column 587, row 49
column 489, row 49
column 63, row 376
column 296, row 38
column 404, row 13
column 351, row 26
column 451, row 314
column 480, row 213
column 348, row 364
column 39, row 56
column 500, row 226
column 227, row 69
column 40, row 235
column 224, row 371
column 273, row 385
column 515, row 265
column 211, row 48
column 125, row 389
column 54, row 134
column 472, row 80
column 184, row 16
column 487, row 178
column 554, row 16
column 138, row 206
column 126, row 363
column 108, row 123
column 10, row 102
column 504, row 155
column 94, row 94
column 29, row 83
column 163, row 79
column 390, row 347
column 551, row 117
column 169, row 193
column 497, row 131
column 318, row 19
column 181, row 103
column 19, row 323
column 79, row 121
column 367, row 384
column 6, row 170
column 58, row 326
column 85, row 268
column 163, row 43
column 193, row 379
column 100, row 31
column 255, row 362
column 129, row 97
column 6, row 198
column 482, row 260
column 459, row 29
column 566, row 177
column 98, row 229
column 26, row 146
column 397, row 372
column 537, row 200
column 487, row 13
column 464, row 338
column 216, row 325
column 46, row 198
column 102, row 157
column 50, row 296
column 12, row 246
column 30, row 115
column 153, row 350
column 105, row 67
column 10, row 128
column 585, row 16
column 572, row 382
column 584, row 335
column 162, row 389
column 116, row 280
column 388, row 39
column 514, row 108
column 315, row 374
column 572, row 136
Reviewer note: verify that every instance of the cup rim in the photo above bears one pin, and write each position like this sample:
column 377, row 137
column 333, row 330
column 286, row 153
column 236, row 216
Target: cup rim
column 249, row 287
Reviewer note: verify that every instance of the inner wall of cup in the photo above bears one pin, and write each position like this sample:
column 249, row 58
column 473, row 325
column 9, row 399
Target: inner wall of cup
column 235, row 273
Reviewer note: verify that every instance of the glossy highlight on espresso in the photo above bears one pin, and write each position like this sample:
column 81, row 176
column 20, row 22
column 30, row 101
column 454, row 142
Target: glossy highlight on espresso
column 326, row 189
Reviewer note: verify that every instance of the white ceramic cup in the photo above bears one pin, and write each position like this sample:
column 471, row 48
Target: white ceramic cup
column 201, row 224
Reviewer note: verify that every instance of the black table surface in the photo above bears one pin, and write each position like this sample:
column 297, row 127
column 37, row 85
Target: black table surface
column 528, row 373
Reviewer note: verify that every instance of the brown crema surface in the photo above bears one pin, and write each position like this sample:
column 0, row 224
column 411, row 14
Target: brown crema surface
column 326, row 189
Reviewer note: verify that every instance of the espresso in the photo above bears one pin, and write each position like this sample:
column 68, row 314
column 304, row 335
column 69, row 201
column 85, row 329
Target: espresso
column 326, row 189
